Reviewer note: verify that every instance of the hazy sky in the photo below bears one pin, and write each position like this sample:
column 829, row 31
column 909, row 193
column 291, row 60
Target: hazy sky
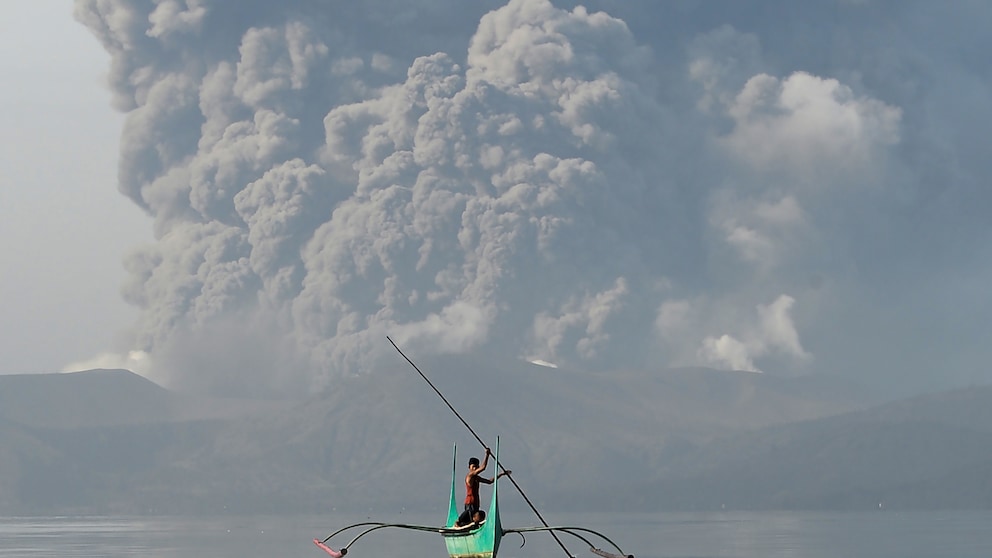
column 64, row 227
column 768, row 186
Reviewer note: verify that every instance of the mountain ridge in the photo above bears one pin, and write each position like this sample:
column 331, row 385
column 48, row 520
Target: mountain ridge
column 668, row 439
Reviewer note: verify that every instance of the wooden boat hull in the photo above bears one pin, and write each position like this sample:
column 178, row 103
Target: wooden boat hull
column 482, row 542
column 478, row 545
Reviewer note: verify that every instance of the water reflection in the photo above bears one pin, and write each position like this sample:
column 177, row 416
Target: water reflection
column 721, row 535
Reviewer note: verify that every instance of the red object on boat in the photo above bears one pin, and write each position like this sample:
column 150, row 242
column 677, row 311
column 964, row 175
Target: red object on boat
column 329, row 550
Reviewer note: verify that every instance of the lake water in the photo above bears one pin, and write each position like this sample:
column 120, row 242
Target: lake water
column 881, row 534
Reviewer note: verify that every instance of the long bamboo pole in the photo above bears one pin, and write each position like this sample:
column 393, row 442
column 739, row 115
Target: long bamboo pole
column 469, row 427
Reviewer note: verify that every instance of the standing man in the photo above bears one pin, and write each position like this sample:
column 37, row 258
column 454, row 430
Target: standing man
column 472, row 480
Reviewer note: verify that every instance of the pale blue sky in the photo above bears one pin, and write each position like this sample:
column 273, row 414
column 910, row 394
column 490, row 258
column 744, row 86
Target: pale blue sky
column 64, row 226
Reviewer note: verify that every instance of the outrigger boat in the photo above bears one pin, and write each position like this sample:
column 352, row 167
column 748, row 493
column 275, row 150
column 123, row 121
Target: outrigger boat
column 474, row 540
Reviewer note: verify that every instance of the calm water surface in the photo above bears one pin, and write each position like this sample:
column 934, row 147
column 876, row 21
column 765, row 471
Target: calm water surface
column 724, row 535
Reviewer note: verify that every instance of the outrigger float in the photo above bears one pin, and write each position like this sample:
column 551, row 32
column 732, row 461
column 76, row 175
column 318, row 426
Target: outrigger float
column 474, row 540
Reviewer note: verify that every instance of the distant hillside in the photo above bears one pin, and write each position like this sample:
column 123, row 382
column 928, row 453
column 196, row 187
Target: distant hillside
column 97, row 398
column 109, row 441
column 20, row 454
column 933, row 451
column 81, row 399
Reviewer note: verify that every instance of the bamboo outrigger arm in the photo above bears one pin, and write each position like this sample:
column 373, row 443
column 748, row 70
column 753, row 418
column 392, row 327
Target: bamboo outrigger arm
column 370, row 527
column 572, row 531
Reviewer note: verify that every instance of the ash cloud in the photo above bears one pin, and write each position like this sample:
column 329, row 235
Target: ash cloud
column 542, row 179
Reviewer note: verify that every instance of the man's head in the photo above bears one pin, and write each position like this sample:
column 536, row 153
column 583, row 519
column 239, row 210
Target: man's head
column 473, row 462
column 479, row 516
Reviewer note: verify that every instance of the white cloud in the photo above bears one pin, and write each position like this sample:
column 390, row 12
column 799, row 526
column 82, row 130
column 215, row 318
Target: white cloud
column 808, row 125
column 138, row 362
column 727, row 352
column 778, row 332
column 762, row 233
column 721, row 61
column 724, row 334
column 584, row 317
column 176, row 16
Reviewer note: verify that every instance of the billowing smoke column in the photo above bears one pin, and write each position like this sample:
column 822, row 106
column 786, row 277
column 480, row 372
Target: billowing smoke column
column 519, row 180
